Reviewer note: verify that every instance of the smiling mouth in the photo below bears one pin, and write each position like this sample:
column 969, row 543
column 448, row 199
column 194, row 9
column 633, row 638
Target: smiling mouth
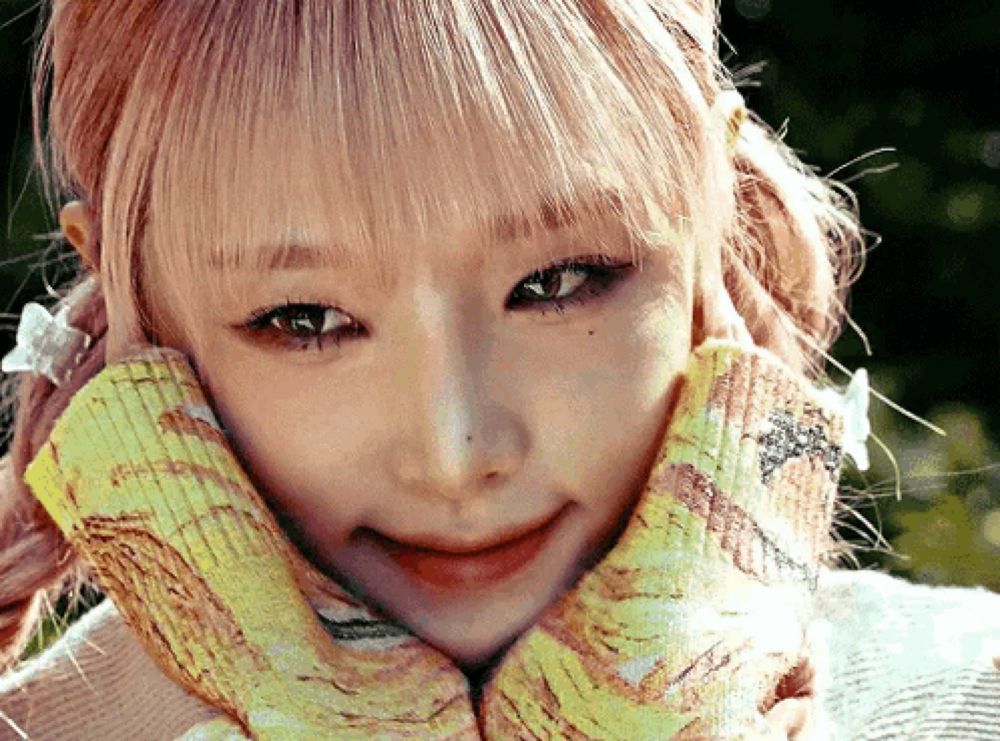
column 450, row 569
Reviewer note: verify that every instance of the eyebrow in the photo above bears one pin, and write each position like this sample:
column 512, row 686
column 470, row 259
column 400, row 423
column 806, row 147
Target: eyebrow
column 553, row 216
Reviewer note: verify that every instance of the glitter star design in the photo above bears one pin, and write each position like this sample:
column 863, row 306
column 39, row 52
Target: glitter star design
column 785, row 439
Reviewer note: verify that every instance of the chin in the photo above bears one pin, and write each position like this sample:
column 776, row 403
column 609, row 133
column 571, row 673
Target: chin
column 473, row 652
column 478, row 638
column 478, row 665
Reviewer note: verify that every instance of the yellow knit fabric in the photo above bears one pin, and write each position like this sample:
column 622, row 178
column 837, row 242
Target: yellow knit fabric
column 683, row 629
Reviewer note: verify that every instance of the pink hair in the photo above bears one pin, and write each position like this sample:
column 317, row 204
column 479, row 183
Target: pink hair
column 161, row 114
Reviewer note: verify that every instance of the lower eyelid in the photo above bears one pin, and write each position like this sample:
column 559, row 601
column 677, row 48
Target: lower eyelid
column 602, row 281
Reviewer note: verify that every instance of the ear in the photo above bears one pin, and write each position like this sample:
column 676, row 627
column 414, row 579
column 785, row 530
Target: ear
column 78, row 227
column 714, row 314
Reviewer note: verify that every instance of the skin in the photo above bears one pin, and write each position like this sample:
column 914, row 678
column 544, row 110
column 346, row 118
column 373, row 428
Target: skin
column 454, row 416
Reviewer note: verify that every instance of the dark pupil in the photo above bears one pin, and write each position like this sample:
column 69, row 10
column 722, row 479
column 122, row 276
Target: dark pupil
column 550, row 280
column 305, row 320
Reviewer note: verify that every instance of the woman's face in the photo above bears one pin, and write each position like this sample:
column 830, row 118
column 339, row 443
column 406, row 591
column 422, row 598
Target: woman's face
column 462, row 402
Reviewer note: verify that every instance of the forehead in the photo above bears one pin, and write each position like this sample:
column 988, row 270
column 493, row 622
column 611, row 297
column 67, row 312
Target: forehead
column 282, row 200
column 299, row 219
column 284, row 246
column 346, row 166
column 375, row 131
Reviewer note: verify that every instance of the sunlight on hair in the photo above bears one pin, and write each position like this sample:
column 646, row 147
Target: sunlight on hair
column 378, row 126
column 255, row 135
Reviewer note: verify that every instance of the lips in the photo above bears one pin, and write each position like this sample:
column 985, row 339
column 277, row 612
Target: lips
column 452, row 566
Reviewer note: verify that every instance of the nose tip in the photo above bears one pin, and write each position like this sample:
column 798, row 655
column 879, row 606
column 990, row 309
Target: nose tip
column 458, row 437
column 459, row 471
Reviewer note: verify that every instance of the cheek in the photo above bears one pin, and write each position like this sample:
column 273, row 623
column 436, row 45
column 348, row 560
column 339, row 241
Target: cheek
column 296, row 458
column 607, row 418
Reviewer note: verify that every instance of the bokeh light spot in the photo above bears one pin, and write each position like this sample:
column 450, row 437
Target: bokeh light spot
column 991, row 150
column 991, row 528
column 753, row 9
column 965, row 209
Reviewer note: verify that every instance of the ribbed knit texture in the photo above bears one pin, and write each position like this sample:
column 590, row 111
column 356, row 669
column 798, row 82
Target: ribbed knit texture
column 724, row 544
column 689, row 623
column 140, row 478
column 909, row 661
column 895, row 674
column 97, row 683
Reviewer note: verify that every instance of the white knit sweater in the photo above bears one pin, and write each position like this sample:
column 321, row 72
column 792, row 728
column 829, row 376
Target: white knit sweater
column 905, row 661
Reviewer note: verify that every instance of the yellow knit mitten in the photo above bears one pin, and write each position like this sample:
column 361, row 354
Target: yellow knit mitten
column 141, row 480
column 686, row 626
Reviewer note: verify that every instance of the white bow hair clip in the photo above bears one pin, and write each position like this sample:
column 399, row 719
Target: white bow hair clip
column 46, row 344
column 853, row 405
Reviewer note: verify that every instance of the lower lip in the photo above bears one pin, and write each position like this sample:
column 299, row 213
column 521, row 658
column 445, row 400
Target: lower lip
column 460, row 571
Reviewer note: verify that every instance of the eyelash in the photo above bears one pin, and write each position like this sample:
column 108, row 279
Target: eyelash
column 600, row 272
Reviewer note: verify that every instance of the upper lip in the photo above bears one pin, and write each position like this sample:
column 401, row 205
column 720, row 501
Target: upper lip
column 463, row 547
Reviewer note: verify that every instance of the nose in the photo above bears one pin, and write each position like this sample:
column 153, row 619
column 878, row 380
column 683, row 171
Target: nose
column 454, row 439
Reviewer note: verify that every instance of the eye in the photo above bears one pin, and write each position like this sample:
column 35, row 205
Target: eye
column 305, row 325
column 576, row 281
column 300, row 325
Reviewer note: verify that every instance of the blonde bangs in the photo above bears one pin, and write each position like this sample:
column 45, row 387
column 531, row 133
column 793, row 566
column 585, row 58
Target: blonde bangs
column 391, row 122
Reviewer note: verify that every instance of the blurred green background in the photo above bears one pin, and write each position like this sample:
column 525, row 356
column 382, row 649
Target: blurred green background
column 852, row 78
column 900, row 102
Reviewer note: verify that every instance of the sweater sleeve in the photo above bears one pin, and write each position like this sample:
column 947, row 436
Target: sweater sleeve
column 140, row 478
column 97, row 682
column 910, row 661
